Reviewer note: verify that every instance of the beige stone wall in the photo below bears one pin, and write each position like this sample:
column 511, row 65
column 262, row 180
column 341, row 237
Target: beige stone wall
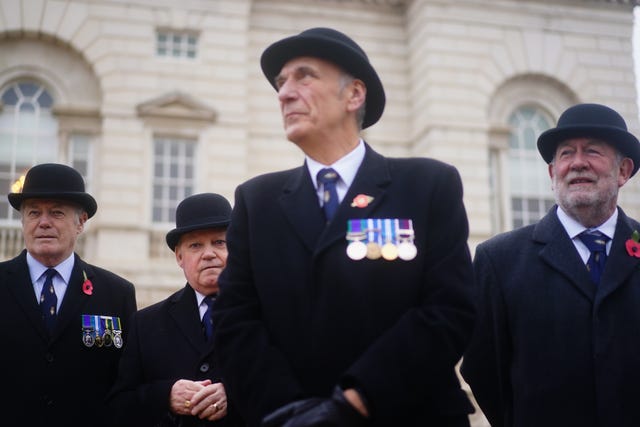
column 453, row 72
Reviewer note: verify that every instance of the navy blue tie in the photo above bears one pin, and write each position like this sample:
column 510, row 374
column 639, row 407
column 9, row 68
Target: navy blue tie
column 207, row 319
column 49, row 300
column 597, row 244
column 328, row 178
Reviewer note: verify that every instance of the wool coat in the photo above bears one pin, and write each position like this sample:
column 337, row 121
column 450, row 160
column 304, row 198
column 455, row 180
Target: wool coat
column 297, row 317
column 552, row 348
column 166, row 344
column 58, row 380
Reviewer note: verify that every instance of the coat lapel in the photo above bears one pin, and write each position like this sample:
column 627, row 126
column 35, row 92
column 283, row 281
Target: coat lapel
column 560, row 253
column 620, row 265
column 19, row 283
column 372, row 179
column 74, row 297
column 184, row 312
column 300, row 207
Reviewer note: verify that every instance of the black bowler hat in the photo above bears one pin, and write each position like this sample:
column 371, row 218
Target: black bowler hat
column 199, row 212
column 54, row 181
column 591, row 121
column 333, row 46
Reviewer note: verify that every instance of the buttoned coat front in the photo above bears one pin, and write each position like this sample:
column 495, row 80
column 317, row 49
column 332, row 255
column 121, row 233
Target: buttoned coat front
column 166, row 344
column 58, row 380
column 552, row 348
column 296, row 316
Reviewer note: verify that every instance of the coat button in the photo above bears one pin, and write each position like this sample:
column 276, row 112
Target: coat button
column 204, row 367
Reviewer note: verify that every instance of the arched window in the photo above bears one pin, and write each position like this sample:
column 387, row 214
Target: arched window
column 28, row 135
column 529, row 182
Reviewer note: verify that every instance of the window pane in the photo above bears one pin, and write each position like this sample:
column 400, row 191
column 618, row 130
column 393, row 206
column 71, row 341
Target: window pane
column 28, row 134
column 174, row 174
column 529, row 181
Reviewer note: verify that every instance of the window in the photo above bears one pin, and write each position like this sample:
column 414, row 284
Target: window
column 530, row 186
column 176, row 44
column 28, row 135
column 173, row 175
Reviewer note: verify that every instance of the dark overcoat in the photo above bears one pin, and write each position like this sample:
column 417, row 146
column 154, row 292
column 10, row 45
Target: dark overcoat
column 58, row 380
column 296, row 316
column 166, row 343
column 551, row 348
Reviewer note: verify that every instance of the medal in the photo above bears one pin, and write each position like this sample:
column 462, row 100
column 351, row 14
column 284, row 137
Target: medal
column 117, row 339
column 407, row 251
column 389, row 251
column 406, row 248
column 117, row 333
column 373, row 250
column 88, row 331
column 356, row 250
column 373, row 234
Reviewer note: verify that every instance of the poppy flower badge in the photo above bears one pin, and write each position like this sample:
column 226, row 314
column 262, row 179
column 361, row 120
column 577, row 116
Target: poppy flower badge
column 633, row 244
column 361, row 201
column 87, row 286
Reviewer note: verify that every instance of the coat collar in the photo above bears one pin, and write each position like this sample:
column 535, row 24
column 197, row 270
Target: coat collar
column 560, row 253
column 300, row 206
column 183, row 309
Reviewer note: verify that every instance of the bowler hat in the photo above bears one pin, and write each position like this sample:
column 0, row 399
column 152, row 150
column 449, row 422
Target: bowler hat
column 198, row 212
column 595, row 121
column 54, row 181
column 333, row 46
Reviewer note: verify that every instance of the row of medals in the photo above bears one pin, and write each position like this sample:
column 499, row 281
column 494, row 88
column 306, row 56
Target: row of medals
column 358, row 248
column 93, row 336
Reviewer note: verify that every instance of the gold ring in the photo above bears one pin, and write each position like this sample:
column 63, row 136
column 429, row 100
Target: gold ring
column 187, row 403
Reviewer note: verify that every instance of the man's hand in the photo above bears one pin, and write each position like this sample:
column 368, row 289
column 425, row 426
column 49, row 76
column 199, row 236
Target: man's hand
column 317, row 412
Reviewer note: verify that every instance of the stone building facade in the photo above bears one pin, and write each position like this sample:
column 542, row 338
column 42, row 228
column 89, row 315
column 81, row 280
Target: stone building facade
column 157, row 99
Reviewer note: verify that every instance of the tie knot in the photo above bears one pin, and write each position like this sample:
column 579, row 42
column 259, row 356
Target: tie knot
column 594, row 240
column 328, row 175
column 49, row 273
column 209, row 301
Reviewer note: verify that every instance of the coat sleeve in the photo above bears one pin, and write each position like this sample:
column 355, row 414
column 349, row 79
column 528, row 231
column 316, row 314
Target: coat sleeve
column 486, row 362
column 257, row 375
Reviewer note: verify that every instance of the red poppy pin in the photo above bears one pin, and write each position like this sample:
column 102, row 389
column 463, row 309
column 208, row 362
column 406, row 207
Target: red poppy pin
column 87, row 286
column 633, row 244
column 361, row 201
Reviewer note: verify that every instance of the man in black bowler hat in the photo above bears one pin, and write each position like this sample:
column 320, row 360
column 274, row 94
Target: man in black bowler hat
column 346, row 298
column 556, row 342
column 63, row 322
column 167, row 376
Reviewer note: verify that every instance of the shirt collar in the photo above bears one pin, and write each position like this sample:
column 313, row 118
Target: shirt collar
column 347, row 166
column 574, row 228
column 37, row 269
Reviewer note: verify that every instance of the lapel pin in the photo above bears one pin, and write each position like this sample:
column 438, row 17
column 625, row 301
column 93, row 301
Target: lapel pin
column 361, row 201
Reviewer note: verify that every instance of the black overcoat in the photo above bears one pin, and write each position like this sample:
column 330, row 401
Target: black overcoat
column 166, row 344
column 551, row 348
column 58, row 380
column 296, row 316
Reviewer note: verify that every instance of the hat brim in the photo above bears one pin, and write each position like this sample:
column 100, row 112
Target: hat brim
column 624, row 142
column 279, row 53
column 173, row 236
column 85, row 200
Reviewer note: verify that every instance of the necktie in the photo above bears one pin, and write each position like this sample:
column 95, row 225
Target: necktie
column 597, row 244
column 328, row 178
column 49, row 300
column 207, row 319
